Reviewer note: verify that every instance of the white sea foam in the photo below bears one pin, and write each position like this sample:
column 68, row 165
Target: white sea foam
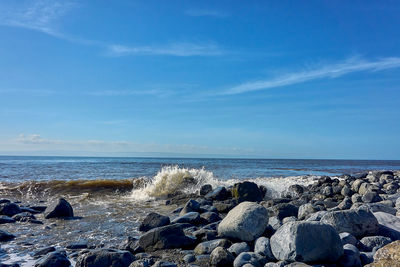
column 171, row 179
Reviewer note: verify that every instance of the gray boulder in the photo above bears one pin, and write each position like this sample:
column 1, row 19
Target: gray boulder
column 190, row 217
column 221, row 257
column 60, row 209
column 190, row 206
column 208, row 246
column 248, row 258
column 153, row 220
column 283, row 210
column 105, row 258
column 245, row 222
column 358, row 222
column 306, row 242
column 263, row 248
column 169, row 236
column 376, row 207
column 52, row 259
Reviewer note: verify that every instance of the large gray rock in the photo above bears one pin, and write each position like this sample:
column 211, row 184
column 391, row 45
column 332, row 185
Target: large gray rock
column 358, row 222
column 221, row 257
column 389, row 225
column 153, row 220
column 306, row 242
column 105, row 258
column 52, row 259
column 245, row 222
column 263, row 248
column 60, row 209
column 170, row 236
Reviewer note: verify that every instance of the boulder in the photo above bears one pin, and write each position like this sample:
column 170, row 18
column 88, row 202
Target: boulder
column 358, row 222
column 389, row 225
column 105, row 258
column 210, row 217
column 283, row 210
column 238, row 248
column 371, row 197
column 369, row 243
column 205, row 189
column 307, row 242
column 190, row 217
column 388, row 255
column 190, row 206
column 305, row 210
column 245, row 222
column 350, row 257
column 153, row 220
column 6, row 236
column 248, row 258
column 9, row 209
column 60, row 209
column 293, row 191
column 219, row 193
column 221, row 257
column 52, row 259
column 208, row 246
column 247, row 191
column 262, row 247
column 169, row 236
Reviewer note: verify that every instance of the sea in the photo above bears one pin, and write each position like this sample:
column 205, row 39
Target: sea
column 111, row 195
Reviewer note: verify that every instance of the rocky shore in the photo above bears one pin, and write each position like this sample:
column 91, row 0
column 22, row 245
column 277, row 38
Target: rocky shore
column 347, row 221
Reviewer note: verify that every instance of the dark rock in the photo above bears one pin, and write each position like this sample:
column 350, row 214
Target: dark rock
column 316, row 217
column 6, row 236
column 78, row 245
column 205, row 189
column 356, row 222
column 351, row 257
column 219, row 193
column 369, row 243
column 327, row 191
column 293, row 191
column 191, row 217
column 345, row 204
column 9, row 209
column 131, row 244
column 105, row 258
column 224, row 207
column 366, row 258
column 170, row 236
column 238, row 248
column 153, row 220
column 247, row 191
column 306, row 242
column 6, row 219
column 208, row 246
column 210, row 217
column 60, row 209
column 39, row 208
column 54, row 259
column 43, row 251
column 371, row 197
column 24, row 217
column 248, row 257
column 3, row 200
column 221, row 257
column 348, row 238
column 283, row 210
column 205, row 235
column 189, row 258
column 190, row 206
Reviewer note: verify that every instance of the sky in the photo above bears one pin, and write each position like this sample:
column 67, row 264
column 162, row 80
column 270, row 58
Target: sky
column 262, row 79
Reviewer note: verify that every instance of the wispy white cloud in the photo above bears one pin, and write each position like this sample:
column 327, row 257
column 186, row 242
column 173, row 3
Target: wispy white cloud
column 183, row 49
column 153, row 92
column 327, row 71
column 206, row 13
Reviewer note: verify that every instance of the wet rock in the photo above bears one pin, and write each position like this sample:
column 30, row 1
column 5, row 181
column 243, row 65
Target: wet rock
column 219, row 193
column 52, row 259
column 388, row 255
column 283, row 210
column 389, row 225
column 348, row 238
column 208, row 246
column 205, row 189
column 262, row 247
column 210, row 217
column 190, row 206
column 6, row 236
column 369, row 243
column 170, row 236
column 356, row 222
column 6, row 219
column 78, row 245
column 105, row 258
column 351, row 257
column 306, row 242
column 238, row 248
column 221, row 257
column 248, row 258
column 131, row 244
column 9, row 209
column 191, row 217
column 60, row 209
column 293, row 191
column 245, row 222
column 153, row 220
column 39, row 208
column 43, row 251
column 247, row 191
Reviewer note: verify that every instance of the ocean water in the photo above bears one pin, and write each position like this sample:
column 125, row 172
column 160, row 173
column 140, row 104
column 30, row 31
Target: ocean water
column 112, row 195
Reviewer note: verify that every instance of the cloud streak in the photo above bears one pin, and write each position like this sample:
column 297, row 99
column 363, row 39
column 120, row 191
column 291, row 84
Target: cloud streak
column 348, row 66
column 175, row 49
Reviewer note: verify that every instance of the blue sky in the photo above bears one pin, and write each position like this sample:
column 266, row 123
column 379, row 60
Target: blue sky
column 271, row 79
